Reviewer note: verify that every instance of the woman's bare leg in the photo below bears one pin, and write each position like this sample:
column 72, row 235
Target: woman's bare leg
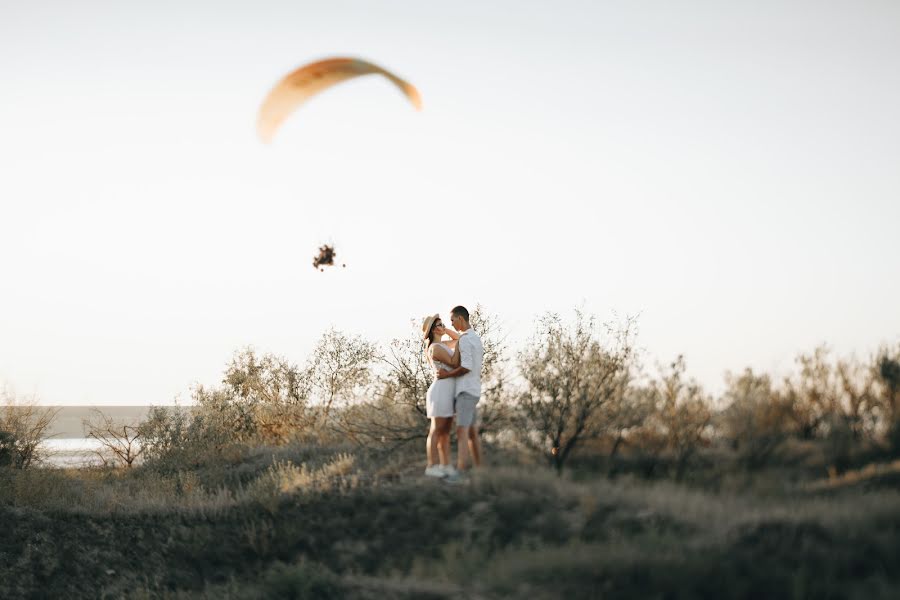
column 443, row 438
column 431, row 442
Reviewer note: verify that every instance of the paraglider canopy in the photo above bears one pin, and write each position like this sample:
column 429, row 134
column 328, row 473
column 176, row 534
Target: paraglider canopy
column 307, row 81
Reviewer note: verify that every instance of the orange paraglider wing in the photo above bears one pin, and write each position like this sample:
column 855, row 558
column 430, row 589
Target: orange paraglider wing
column 307, row 81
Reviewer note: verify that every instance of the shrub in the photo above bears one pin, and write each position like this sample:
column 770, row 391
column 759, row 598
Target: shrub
column 570, row 375
column 23, row 426
column 755, row 421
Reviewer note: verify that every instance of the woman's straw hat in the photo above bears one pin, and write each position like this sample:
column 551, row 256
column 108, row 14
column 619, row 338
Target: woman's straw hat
column 427, row 323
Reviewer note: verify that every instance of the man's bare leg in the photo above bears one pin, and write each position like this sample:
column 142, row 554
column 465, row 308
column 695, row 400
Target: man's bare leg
column 475, row 445
column 462, row 448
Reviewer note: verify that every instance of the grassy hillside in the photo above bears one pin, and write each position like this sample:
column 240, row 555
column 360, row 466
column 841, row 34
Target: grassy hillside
column 308, row 522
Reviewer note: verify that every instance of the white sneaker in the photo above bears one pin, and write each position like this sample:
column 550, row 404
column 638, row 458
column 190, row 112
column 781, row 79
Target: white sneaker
column 435, row 471
column 455, row 479
column 448, row 470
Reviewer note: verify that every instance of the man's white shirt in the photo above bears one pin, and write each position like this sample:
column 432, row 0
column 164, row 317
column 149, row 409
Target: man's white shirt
column 471, row 358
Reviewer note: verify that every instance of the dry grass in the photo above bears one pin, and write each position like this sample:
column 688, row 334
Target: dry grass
column 105, row 491
column 308, row 523
column 870, row 474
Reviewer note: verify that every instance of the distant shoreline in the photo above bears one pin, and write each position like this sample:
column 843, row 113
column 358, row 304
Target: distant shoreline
column 69, row 418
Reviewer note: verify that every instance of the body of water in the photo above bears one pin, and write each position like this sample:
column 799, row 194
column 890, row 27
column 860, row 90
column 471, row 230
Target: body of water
column 72, row 452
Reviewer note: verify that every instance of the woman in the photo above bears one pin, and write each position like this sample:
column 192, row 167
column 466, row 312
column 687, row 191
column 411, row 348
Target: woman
column 440, row 395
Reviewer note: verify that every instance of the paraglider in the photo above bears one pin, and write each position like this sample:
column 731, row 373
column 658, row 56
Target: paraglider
column 307, row 81
column 325, row 258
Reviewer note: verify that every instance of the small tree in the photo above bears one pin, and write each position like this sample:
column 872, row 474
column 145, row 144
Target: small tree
column 120, row 439
column 23, row 425
column 570, row 375
column 756, row 419
column 395, row 414
column 837, row 401
column 682, row 416
column 887, row 370
column 227, row 418
column 813, row 394
column 624, row 415
column 340, row 366
column 177, row 436
column 166, row 432
column 261, row 399
column 271, row 393
column 408, row 374
column 858, row 398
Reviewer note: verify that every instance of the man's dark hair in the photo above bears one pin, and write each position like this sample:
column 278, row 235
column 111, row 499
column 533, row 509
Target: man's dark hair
column 460, row 311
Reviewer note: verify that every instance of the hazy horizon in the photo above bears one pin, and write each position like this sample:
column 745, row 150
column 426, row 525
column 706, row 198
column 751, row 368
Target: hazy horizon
column 726, row 170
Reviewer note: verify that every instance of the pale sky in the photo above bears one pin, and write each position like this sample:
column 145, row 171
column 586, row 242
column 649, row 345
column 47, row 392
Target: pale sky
column 729, row 170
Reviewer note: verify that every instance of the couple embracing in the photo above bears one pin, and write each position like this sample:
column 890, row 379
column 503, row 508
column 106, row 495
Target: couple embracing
column 453, row 393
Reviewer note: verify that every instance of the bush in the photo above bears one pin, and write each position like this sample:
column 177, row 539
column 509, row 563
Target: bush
column 23, row 426
column 755, row 421
column 570, row 376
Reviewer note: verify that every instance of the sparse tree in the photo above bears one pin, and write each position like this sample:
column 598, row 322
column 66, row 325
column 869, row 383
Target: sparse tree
column 813, row 394
column 680, row 423
column 395, row 414
column 261, row 399
column 756, row 418
column 407, row 374
column 624, row 415
column 858, row 402
column 838, row 401
column 271, row 392
column 166, row 432
column 227, row 418
column 340, row 366
column 570, row 374
column 119, row 439
column 24, row 425
column 887, row 370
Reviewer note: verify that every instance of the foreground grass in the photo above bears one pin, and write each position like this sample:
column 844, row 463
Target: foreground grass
column 303, row 523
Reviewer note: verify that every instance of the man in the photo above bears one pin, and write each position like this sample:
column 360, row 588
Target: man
column 468, row 388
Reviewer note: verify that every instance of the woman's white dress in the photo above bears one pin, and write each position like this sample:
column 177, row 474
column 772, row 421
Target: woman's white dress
column 441, row 392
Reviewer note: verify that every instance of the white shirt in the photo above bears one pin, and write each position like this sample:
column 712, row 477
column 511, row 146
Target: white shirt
column 471, row 357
